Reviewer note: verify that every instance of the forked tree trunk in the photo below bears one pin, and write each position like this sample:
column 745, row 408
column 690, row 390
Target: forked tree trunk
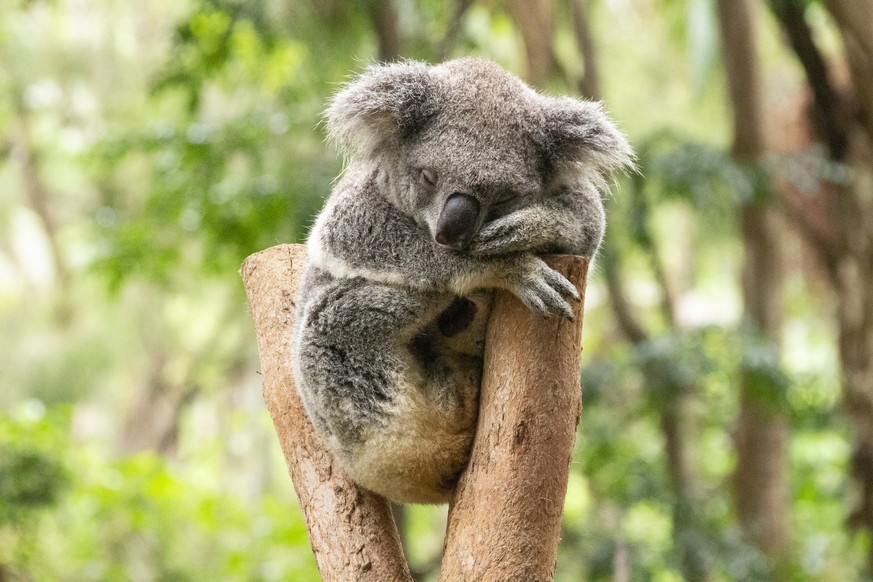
column 505, row 517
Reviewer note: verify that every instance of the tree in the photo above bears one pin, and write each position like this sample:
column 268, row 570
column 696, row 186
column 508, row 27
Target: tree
column 660, row 370
column 761, row 438
column 841, row 116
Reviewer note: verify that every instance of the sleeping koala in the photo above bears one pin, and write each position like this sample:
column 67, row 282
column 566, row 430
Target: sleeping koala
column 459, row 176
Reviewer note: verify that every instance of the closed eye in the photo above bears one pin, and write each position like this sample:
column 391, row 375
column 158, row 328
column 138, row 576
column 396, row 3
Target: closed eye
column 427, row 178
column 501, row 206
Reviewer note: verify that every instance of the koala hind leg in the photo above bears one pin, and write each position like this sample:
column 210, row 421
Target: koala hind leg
column 398, row 427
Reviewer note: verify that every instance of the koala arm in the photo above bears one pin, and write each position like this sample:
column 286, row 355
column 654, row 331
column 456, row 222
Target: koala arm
column 360, row 234
column 571, row 221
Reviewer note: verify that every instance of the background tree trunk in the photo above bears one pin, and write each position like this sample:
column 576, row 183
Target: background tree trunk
column 842, row 117
column 453, row 29
column 351, row 531
column 589, row 84
column 534, row 20
column 657, row 373
column 760, row 478
column 383, row 15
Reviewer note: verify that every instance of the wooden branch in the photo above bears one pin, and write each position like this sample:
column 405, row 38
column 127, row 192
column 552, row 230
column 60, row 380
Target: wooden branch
column 821, row 243
column 40, row 197
column 505, row 516
column 861, row 69
column 351, row 531
column 627, row 321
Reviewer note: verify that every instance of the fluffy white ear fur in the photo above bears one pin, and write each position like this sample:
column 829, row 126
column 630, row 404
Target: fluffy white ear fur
column 582, row 140
column 386, row 102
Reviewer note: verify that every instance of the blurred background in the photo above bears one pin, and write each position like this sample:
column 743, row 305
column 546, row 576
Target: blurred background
column 146, row 148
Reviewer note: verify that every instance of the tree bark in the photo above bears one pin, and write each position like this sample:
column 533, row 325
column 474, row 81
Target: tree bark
column 505, row 516
column 855, row 17
column 351, row 531
column 760, row 478
column 853, row 221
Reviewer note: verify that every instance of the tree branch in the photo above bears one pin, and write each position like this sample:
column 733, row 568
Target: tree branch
column 505, row 516
column 861, row 69
column 820, row 242
column 826, row 99
column 621, row 308
column 351, row 531
column 39, row 195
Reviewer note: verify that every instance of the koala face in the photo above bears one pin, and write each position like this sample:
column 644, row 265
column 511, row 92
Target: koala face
column 465, row 142
column 454, row 195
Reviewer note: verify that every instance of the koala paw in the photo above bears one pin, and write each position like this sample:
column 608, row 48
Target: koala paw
column 541, row 288
column 504, row 235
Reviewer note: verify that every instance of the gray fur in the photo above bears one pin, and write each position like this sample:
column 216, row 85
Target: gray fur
column 389, row 333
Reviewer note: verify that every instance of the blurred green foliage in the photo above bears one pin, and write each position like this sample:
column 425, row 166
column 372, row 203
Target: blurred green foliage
column 136, row 517
column 32, row 477
column 169, row 140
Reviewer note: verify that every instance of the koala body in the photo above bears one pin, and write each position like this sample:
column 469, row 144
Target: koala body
column 459, row 175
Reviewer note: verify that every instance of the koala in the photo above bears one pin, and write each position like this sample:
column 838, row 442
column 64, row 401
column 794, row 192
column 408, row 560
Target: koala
column 459, row 175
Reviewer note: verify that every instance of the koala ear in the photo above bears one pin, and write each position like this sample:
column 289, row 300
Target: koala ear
column 581, row 139
column 386, row 102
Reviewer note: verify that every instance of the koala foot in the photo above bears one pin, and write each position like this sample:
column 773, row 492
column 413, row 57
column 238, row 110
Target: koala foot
column 457, row 317
column 541, row 288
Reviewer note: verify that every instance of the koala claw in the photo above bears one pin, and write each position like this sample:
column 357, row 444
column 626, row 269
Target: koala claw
column 543, row 290
column 562, row 284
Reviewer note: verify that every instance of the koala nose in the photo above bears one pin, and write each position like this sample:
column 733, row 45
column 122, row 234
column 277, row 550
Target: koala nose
column 458, row 221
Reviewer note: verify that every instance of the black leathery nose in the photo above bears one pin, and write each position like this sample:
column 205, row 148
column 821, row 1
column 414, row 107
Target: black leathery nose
column 458, row 220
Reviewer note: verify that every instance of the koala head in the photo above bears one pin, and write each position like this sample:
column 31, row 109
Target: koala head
column 464, row 142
